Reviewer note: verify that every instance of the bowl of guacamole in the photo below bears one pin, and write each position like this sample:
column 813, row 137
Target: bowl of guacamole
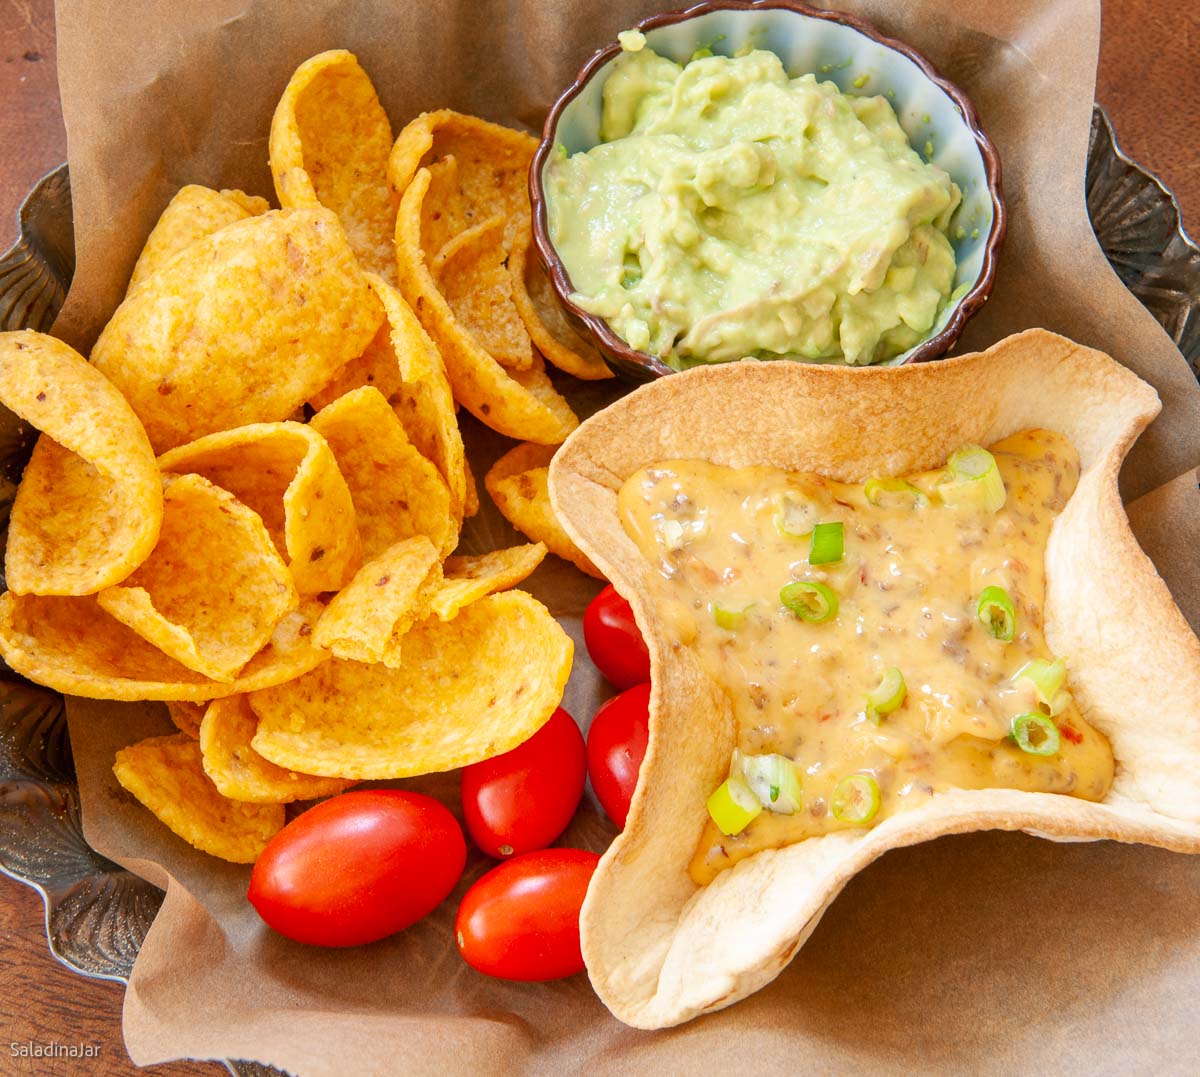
column 743, row 181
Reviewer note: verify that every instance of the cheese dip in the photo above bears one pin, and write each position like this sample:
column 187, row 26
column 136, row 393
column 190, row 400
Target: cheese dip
column 877, row 643
column 733, row 211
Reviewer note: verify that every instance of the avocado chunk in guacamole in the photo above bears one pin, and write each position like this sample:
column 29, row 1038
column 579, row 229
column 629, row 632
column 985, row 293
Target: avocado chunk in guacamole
column 732, row 211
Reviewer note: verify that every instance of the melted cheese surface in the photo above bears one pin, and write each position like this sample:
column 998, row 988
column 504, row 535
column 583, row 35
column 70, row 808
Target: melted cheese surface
column 908, row 586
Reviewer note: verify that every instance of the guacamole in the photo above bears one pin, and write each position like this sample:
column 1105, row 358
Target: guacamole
column 732, row 211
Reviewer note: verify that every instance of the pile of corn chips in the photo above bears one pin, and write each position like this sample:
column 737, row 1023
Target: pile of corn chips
column 246, row 502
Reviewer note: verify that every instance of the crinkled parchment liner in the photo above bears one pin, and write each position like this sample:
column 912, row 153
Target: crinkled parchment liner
column 930, row 960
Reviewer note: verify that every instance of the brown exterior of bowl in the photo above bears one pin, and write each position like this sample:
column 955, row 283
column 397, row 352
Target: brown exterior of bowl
column 640, row 366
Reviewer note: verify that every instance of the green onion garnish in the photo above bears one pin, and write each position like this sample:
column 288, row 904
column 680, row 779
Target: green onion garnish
column 733, row 806
column 889, row 695
column 1035, row 734
column 672, row 533
column 730, row 620
column 794, row 518
column 826, row 544
column 856, row 799
column 677, row 535
column 1047, row 679
column 972, row 478
column 775, row 781
column 894, row 493
column 996, row 613
column 810, row 601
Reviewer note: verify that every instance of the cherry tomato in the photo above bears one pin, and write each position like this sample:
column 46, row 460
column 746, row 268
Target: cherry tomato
column 614, row 641
column 522, row 800
column 520, row 921
column 358, row 867
column 616, row 746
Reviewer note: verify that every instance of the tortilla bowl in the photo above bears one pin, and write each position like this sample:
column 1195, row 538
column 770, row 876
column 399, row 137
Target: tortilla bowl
column 659, row 949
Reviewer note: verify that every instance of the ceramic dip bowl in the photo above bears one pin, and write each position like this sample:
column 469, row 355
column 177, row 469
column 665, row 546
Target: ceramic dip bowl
column 937, row 116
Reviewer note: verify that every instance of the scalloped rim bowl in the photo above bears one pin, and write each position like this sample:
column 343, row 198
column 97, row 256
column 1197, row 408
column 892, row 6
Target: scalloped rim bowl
column 840, row 47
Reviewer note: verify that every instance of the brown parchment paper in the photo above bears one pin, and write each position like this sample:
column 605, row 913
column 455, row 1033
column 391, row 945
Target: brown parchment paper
column 988, row 953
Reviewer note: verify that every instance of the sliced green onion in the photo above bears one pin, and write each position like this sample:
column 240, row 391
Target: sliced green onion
column 794, row 518
column 1047, row 679
column 827, row 540
column 730, row 620
column 894, row 493
column 889, row 695
column 733, row 806
column 1060, row 702
column 676, row 535
column 973, row 478
column 810, row 601
column 775, row 781
column 1035, row 734
column 856, row 799
column 996, row 613
column 672, row 533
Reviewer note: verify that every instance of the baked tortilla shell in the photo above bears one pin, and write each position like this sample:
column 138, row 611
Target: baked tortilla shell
column 659, row 949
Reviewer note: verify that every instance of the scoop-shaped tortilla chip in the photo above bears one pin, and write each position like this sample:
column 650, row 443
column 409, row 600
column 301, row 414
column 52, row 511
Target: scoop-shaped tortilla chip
column 403, row 364
column 517, row 484
column 378, row 366
column 239, row 772
column 468, row 579
column 89, row 506
column 240, row 327
column 286, row 473
column 472, row 497
column 74, row 647
column 397, row 493
column 166, row 774
column 661, row 950
column 538, row 307
column 491, row 172
column 468, row 689
column 330, row 140
column 472, row 274
column 444, row 213
column 367, row 619
column 214, row 587
column 186, row 717
column 194, row 213
column 520, row 403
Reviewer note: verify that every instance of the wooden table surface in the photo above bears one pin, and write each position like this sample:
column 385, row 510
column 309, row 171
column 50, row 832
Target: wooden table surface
column 1149, row 81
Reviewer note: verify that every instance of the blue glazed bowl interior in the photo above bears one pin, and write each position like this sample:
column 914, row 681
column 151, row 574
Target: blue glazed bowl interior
column 835, row 52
